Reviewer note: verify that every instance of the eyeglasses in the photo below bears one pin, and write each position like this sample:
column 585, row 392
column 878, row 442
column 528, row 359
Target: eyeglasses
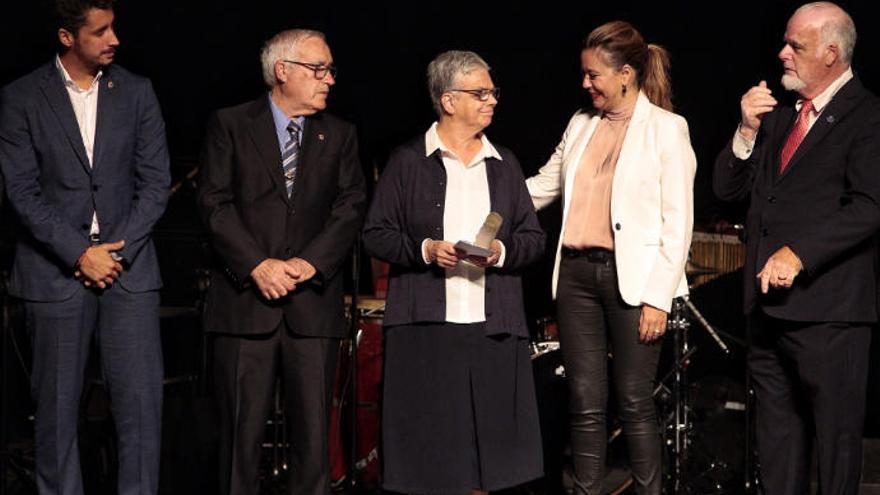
column 319, row 70
column 481, row 94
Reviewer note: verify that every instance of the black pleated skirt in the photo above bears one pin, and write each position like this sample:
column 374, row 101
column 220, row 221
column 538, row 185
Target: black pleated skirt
column 459, row 411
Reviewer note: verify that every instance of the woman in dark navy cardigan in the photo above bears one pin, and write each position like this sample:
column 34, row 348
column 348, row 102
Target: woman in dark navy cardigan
column 459, row 411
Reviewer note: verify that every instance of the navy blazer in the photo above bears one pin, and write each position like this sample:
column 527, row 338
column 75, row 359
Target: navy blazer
column 54, row 191
column 408, row 208
column 243, row 203
column 826, row 206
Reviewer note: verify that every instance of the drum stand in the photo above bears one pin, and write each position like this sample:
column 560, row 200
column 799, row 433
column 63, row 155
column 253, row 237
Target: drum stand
column 676, row 431
column 678, row 424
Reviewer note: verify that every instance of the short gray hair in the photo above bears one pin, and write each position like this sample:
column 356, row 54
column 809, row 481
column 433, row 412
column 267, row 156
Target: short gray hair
column 839, row 29
column 282, row 45
column 445, row 69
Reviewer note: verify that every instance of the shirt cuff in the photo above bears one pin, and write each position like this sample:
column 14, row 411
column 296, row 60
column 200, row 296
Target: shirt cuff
column 422, row 250
column 742, row 147
column 502, row 255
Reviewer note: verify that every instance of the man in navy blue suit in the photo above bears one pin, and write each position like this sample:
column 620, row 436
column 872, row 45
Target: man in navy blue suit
column 84, row 157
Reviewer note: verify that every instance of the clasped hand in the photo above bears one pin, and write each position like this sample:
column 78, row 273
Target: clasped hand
column 96, row 266
column 276, row 278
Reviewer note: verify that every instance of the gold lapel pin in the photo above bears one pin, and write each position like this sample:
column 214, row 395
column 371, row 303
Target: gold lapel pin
column 109, row 84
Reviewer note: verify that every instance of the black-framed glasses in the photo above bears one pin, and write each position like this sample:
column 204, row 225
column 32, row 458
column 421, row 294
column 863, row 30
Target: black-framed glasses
column 481, row 94
column 319, row 70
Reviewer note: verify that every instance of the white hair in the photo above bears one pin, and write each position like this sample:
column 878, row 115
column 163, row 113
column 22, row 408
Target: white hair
column 283, row 45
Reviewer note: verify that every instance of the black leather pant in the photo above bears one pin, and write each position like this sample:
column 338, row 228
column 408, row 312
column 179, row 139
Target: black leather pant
column 593, row 319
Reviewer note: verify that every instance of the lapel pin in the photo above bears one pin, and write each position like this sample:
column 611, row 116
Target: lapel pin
column 829, row 119
column 109, row 84
column 320, row 137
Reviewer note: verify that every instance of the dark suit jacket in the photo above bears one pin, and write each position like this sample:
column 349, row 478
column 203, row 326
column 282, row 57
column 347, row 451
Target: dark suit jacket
column 825, row 206
column 244, row 204
column 54, row 191
column 408, row 208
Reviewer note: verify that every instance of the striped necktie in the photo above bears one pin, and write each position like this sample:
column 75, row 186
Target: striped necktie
column 290, row 156
column 797, row 135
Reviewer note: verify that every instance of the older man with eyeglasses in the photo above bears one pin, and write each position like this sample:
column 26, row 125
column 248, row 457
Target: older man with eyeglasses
column 282, row 194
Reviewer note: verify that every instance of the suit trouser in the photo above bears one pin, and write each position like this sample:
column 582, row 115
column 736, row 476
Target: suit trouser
column 245, row 371
column 809, row 378
column 125, row 326
column 592, row 315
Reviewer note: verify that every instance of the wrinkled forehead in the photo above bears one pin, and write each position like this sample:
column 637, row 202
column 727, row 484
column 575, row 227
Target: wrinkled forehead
column 803, row 27
column 313, row 49
column 475, row 75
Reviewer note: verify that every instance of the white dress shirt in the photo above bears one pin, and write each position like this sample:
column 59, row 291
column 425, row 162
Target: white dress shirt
column 85, row 107
column 466, row 207
column 742, row 147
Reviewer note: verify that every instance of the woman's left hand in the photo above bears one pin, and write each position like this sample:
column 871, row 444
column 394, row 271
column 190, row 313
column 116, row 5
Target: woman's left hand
column 652, row 324
column 495, row 247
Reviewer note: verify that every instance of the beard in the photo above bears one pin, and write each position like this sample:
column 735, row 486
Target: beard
column 792, row 83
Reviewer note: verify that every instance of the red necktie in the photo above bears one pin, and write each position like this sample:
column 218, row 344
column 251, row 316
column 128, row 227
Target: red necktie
column 797, row 134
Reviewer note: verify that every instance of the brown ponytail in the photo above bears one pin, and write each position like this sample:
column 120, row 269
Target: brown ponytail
column 623, row 44
column 655, row 80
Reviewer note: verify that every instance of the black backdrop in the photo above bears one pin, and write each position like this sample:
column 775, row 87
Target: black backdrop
column 202, row 55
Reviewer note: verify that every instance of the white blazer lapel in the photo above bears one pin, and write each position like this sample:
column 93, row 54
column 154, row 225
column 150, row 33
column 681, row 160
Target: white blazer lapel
column 631, row 149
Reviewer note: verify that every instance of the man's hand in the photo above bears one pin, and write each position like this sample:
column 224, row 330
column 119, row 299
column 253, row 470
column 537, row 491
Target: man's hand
column 652, row 324
column 495, row 247
column 96, row 267
column 754, row 104
column 274, row 278
column 442, row 253
column 305, row 269
column 780, row 270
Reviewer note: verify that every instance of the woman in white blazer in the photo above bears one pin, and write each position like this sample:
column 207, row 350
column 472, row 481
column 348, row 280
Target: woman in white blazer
column 625, row 173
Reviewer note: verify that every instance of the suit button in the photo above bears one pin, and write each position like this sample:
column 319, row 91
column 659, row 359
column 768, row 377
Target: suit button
column 95, row 187
column 287, row 251
column 437, row 204
column 617, row 226
column 765, row 232
column 85, row 226
column 771, row 199
column 291, row 211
